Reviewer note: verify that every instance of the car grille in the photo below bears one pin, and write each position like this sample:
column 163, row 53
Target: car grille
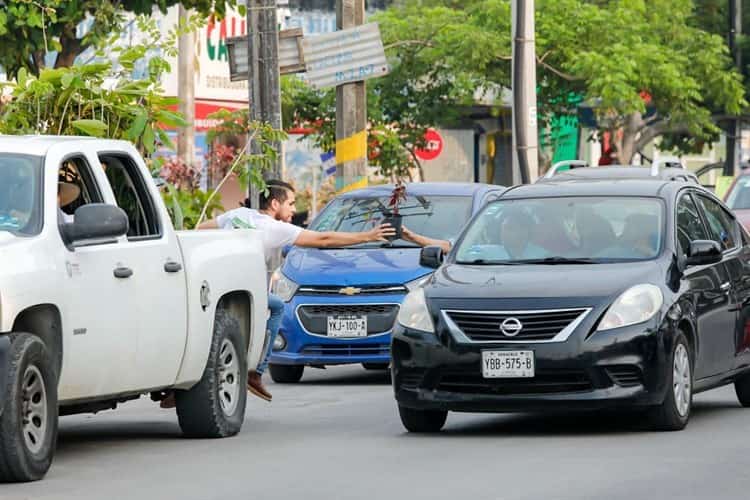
column 625, row 375
column 553, row 382
column 536, row 325
column 345, row 350
column 361, row 290
column 380, row 317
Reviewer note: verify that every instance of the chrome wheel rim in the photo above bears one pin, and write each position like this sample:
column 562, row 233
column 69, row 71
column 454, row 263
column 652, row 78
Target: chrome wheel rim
column 229, row 378
column 681, row 380
column 34, row 410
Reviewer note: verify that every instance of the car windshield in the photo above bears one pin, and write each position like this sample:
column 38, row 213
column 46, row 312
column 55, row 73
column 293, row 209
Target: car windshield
column 585, row 230
column 440, row 217
column 739, row 196
column 20, row 179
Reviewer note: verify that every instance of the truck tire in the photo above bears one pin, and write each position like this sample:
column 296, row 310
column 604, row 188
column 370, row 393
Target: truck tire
column 28, row 425
column 215, row 406
column 673, row 414
column 422, row 421
column 286, row 374
column 742, row 389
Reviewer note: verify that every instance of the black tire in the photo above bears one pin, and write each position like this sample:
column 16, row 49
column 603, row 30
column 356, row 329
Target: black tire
column 742, row 388
column 286, row 374
column 209, row 409
column 30, row 378
column 376, row 366
column 667, row 417
column 422, row 421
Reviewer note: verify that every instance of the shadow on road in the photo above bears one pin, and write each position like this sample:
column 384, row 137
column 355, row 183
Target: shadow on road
column 83, row 437
column 338, row 376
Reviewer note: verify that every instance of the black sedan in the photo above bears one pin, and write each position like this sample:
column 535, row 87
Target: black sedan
column 585, row 295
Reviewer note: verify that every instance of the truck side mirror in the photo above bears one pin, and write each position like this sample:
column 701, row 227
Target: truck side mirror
column 431, row 257
column 96, row 221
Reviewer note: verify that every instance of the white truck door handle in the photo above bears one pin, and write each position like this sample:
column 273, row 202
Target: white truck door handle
column 123, row 272
column 172, row 267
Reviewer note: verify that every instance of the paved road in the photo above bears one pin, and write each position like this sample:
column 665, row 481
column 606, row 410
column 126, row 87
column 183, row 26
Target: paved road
column 337, row 436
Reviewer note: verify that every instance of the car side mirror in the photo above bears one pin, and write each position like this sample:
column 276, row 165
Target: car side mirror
column 285, row 250
column 431, row 257
column 703, row 253
column 96, row 221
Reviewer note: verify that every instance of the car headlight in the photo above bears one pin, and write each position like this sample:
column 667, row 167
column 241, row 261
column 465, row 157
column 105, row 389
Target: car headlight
column 414, row 314
column 417, row 283
column 635, row 305
column 282, row 287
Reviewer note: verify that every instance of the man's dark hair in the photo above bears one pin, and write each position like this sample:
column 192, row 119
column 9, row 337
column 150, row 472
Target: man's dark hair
column 276, row 190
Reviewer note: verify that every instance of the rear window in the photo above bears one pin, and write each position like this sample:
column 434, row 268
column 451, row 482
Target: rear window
column 20, row 194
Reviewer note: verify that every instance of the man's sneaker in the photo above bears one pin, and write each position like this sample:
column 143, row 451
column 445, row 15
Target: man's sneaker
column 256, row 387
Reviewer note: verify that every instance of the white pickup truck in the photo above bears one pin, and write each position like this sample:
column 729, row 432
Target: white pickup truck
column 101, row 301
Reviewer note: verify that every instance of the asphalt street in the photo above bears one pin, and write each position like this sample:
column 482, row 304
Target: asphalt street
column 337, row 435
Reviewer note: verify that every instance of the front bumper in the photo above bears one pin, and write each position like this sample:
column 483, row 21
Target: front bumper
column 304, row 347
column 620, row 368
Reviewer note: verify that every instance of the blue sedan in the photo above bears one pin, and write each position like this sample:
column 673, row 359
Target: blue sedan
column 341, row 303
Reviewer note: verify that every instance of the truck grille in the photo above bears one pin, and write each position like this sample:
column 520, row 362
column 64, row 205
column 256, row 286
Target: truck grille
column 535, row 325
column 380, row 317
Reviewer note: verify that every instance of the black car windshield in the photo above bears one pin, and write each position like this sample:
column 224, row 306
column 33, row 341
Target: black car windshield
column 20, row 192
column 440, row 217
column 739, row 196
column 570, row 230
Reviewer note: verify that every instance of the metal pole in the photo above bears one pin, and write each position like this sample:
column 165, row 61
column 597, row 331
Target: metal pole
column 524, row 91
column 186, row 92
column 351, row 109
column 314, row 207
column 254, row 94
column 270, row 86
column 734, row 131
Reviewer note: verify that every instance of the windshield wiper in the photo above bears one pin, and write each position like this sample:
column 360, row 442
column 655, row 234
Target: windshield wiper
column 557, row 260
column 487, row 262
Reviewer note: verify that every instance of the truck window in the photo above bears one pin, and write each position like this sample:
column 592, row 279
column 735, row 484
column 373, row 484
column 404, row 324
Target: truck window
column 76, row 171
column 132, row 196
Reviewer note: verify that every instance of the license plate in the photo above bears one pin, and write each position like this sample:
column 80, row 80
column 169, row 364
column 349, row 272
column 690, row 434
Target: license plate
column 347, row 326
column 507, row 364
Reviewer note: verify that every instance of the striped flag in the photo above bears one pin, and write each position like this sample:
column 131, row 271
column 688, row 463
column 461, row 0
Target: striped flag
column 329, row 163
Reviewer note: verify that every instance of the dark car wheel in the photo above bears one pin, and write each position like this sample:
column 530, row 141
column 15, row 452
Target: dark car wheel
column 286, row 374
column 28, row 426
column 215, row 407
column 422, row 420
column 742, row 388
column 673, row 414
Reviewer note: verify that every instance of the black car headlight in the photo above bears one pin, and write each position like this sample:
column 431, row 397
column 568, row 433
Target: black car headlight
column 636, row 305
column 414, row 313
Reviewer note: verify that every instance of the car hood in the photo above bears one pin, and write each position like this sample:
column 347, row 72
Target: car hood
column 356, row 266
column 549, row 285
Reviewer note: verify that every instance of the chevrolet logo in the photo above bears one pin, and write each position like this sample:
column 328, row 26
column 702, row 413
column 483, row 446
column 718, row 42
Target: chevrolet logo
column 350, row 290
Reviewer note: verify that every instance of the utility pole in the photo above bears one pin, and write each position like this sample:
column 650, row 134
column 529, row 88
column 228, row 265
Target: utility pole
column 734, row 131
column 351, row 109
column 186, row 92
column 525, row 134
column 270, row 79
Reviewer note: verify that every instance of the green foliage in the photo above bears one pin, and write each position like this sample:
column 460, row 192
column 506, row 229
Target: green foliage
column 185, row 206
column 29, row 28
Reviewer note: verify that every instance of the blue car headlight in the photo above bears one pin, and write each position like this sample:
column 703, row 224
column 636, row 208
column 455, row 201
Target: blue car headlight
column 282, row 287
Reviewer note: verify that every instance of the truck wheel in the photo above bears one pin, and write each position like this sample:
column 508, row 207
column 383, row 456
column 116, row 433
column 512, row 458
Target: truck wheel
column 422, row 420
column 673, row 414
column 742, row 389
column 286, row 374
column 215, row 407
column 28, row 425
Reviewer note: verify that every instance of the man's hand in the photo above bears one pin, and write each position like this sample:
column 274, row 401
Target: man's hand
column 406, row 234
column 381, row 233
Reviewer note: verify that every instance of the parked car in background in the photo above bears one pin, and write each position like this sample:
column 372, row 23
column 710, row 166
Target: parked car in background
column 637, row 298
column 341, row 303
column 737, row 197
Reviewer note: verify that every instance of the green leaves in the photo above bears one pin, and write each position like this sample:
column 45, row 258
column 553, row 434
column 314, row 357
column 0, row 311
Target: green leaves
column 95, row 128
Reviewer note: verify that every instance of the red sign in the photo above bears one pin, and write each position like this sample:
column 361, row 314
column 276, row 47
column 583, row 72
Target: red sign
column 433, row 146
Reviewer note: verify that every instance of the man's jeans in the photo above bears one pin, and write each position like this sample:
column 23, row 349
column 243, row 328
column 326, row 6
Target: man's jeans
column 276, row 306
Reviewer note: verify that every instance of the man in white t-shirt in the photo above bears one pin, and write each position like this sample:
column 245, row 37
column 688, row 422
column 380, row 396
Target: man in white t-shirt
column 272, row 219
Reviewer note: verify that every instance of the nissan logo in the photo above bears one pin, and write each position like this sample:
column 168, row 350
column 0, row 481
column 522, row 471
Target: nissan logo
column 511, row 327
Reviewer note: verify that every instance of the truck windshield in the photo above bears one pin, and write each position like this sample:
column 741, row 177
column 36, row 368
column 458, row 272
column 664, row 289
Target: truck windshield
column 20, row 194
column 440, row 217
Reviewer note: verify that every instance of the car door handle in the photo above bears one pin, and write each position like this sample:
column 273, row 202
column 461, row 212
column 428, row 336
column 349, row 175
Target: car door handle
column 123, row 272
column 172, row 267
column 725, row 287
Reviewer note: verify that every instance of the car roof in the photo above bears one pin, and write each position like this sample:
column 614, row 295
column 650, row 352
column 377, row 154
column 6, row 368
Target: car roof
column 36, row 145
column 426, row 189
column 647, row 187
column 622, row 172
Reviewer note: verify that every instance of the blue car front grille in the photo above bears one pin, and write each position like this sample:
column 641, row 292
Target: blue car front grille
column 346, row 350
column 380, row 317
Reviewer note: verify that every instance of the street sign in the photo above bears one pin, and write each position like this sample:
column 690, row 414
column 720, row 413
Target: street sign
column 344, row 56
column 433, row 146
column 290, row 54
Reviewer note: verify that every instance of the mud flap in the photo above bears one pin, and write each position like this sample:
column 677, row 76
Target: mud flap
column 4, row 362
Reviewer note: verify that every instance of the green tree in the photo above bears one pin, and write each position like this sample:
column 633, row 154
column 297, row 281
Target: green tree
column 30, row 28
